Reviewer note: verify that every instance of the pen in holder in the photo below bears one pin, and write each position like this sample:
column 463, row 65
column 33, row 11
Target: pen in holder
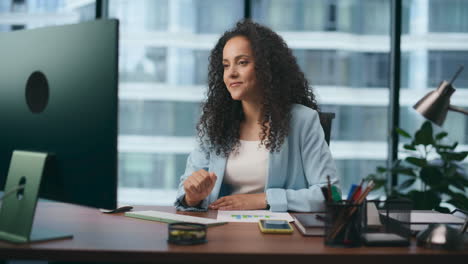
column 343, row 224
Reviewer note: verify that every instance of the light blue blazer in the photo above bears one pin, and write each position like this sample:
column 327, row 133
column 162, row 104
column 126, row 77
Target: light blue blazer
column 295, row 174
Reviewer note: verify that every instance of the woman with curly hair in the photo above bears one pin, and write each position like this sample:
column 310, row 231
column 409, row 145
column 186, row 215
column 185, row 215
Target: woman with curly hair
column 261, row 144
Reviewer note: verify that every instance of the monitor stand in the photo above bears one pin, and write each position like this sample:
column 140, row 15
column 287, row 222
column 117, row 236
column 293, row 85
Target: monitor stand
column 18, row 209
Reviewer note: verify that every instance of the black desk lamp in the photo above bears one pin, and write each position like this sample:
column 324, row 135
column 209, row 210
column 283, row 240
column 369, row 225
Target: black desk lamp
column 435, row 105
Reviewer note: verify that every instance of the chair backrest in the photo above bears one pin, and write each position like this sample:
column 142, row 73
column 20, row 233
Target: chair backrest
column 326, row 122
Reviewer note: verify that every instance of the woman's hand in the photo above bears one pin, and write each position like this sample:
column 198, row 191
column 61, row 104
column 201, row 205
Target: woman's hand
column 240, row 202
column 198, row 186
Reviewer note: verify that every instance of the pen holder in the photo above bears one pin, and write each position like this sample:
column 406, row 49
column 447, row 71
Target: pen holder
column 343, row 224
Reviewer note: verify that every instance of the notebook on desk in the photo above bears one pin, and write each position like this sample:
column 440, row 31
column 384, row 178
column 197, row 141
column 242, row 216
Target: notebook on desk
column 310, row 224
column 173, row 218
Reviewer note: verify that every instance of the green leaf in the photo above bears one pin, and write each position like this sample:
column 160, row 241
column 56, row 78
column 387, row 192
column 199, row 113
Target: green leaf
column 461, row 178
column 424, row 135
column 431, row 175
column 371, row 176
column 458, row 156
column 409, row 147
column 441, row 188
column 424, row 200
column 459, row 196
column 379, row 184
column 459, row 200
column 443, row 147
column 451, row 171
column 458, row 184
column 446, row 147
column 440, row 209
column 407, row 183
column 417, row 161
column 403, row 133
column 381, row 169
column 441, row 135
column 450, row 193
column 404, row 170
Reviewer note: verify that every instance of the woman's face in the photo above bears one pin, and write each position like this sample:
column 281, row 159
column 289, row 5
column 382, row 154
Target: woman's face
column 239, row 70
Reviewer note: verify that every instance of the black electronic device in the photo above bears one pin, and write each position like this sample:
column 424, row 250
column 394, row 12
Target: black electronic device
column 58, row 95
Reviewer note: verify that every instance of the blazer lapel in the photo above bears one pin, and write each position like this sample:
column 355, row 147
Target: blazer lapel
column 218, row 166
column 278, row 167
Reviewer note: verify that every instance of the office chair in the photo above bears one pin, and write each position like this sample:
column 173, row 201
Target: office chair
column 326, row 122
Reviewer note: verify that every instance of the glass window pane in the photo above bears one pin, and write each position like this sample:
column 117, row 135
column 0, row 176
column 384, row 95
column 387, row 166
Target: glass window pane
column 429, row 62
column 144, row 166
column 143, row 64
column 30, row 14
column 448, row 16
column 348, row 72
column 434, row 47
column 444, row 64
column 353, row 16
column 158, row 118
column 349, row 168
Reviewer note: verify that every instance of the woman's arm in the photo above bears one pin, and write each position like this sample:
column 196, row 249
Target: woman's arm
column 240, row 202
column 197, row 160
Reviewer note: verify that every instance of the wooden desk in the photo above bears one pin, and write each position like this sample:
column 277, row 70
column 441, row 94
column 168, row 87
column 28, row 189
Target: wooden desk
column 100, row 237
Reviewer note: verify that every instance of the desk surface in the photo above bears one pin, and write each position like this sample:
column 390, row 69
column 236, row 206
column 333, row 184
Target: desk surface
column 116, row 238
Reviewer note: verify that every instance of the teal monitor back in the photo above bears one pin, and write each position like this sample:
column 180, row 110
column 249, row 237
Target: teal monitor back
column 58, row 95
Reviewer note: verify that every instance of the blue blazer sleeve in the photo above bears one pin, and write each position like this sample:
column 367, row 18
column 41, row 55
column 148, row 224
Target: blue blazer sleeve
column 197, row 160
column 307, row 161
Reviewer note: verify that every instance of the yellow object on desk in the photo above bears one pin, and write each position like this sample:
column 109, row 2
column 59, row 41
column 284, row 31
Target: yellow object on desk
column 275, row 226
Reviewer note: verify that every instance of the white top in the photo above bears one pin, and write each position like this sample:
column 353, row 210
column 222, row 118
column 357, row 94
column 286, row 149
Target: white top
column 247, row 168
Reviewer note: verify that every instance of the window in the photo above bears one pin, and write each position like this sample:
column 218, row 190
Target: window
column 448, row 16
column 27, row 14
column 444, row 64
column 344, row 55
column 324, row 67
column 341, row 45
column 164, row 48
column 433, row 48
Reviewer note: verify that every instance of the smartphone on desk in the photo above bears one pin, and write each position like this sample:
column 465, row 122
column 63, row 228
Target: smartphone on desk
column 275, row 226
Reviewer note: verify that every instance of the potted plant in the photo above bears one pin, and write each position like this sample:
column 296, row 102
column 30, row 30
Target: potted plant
column 430, row 174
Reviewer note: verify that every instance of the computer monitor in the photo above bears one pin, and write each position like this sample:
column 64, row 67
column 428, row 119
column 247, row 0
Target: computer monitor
column 58, row 95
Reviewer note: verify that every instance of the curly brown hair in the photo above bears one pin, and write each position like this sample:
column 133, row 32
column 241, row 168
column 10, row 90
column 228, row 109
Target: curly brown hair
column 277, row 74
